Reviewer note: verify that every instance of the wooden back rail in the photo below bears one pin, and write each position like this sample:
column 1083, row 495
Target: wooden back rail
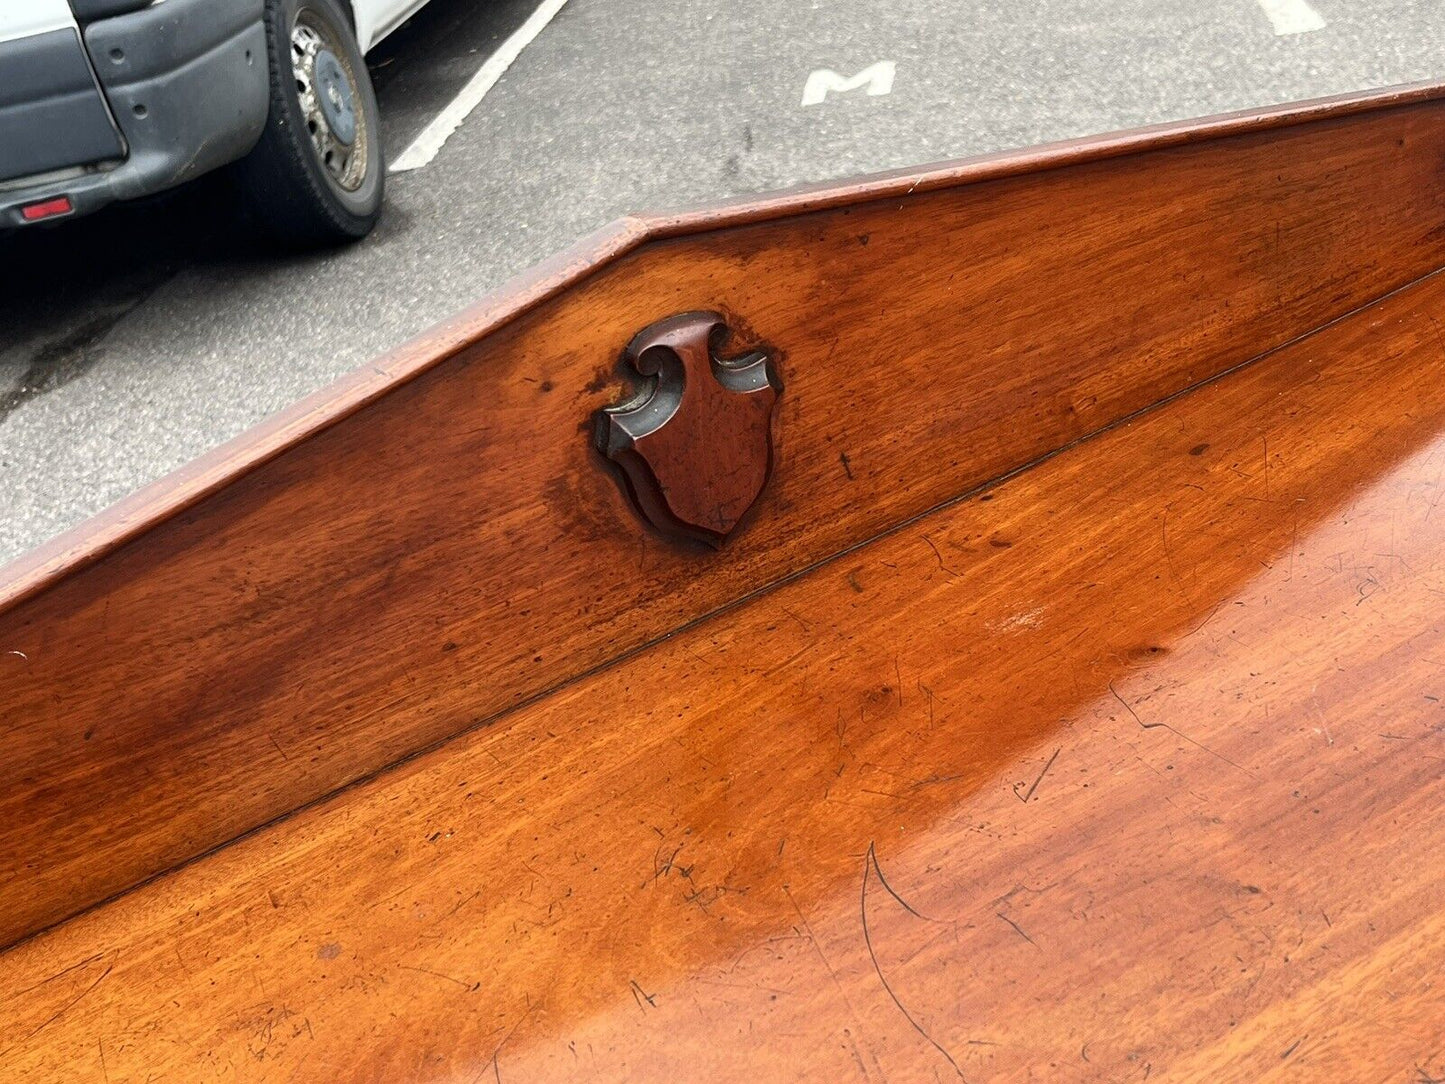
column 1131, row 767
column 435, row 541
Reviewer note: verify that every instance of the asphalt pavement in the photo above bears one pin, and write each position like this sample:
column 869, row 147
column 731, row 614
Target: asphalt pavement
column 133, row 341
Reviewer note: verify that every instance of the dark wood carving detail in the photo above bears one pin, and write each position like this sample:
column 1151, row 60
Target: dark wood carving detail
column 695, row 445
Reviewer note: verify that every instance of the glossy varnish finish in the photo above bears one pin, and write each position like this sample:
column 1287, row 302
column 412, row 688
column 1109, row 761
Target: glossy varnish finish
column 1130, row 767
column 432, row 546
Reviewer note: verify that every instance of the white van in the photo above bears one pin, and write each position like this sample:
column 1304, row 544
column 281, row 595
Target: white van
column 104, row 100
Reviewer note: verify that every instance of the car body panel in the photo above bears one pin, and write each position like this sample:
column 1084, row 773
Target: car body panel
column 52, row 113
column 21, row 18
column 375, row 19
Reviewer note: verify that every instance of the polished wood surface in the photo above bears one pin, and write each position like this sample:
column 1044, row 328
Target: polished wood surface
column 1130, row 767
column 434, row 543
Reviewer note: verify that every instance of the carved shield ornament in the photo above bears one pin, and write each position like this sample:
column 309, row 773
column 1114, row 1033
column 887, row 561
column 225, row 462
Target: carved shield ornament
column 695, row 445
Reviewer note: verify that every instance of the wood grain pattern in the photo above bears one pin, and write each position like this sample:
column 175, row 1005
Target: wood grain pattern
column 436, row 544
column 1134, row 764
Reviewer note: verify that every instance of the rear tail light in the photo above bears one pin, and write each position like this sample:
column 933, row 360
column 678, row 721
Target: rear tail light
column 34, row 212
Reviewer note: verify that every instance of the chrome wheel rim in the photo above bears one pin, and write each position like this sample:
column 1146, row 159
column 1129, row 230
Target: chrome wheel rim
column 331, row 104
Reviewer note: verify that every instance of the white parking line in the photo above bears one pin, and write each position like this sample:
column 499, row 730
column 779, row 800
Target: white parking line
column 1292, row 16
column 429, row 141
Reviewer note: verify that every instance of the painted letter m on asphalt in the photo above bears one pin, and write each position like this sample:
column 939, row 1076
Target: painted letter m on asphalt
column 878, row 78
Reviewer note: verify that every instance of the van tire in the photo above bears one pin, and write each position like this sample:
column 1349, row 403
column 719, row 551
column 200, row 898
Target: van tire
column 316, row 176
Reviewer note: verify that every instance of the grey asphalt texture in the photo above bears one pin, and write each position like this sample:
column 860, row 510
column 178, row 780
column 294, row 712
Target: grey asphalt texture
column 133, row 341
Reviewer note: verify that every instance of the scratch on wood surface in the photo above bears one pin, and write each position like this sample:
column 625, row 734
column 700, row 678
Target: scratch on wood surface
column 1168, row 555
column 1178, row 733
column 813, row 940
column 58, row 1013
column 928, row 693
column 870, row 863
column 1035, row 786
column 640, row 995
column 495, row 1059
column 939, row 556
column 873, row 857
column 1018, row 929
column 438, row 975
